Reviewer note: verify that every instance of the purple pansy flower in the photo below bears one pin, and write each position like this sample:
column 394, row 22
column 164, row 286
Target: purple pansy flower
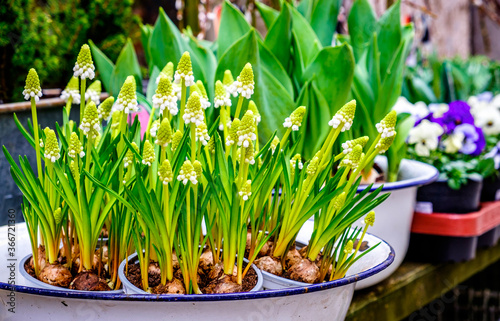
column 457, row 114
column 474, row 141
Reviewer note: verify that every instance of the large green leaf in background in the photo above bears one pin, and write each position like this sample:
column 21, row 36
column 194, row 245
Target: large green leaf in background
column 389, row 36
column 271, row 63
column 204, row 64
column 126, row 65
column 104, row 66
column 272, row 99
column 146, row 32
column 324, row 19
column 233, row 27
column 307, row 41
column 279, row 37
column 268, row 14
column 333, row 71
column 166, row 43
column 362, row 24
column 315, row 124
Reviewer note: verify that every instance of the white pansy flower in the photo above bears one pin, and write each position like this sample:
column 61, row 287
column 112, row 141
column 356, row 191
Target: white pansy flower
column 425, row 136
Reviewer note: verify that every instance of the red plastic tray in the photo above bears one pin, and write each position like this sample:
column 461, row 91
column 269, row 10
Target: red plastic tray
column 462, row 225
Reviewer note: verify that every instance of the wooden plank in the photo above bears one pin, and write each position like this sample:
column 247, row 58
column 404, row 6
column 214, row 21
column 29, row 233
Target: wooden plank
column 413, row 286
column 42, row 103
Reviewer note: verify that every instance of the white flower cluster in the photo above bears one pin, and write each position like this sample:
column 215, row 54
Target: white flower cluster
column 185, row 176
column 194, row 117
column 232, row 88
column 244, row 90
column 88, row 124
column 74, row 94
column 202, row 134
column 92, row 95
column 154, row 128
column 126, row 105
column 28, row 93
column 385, row 131
column 72, row 152
column 52, row 155
column 223, row 101
column 86, row 71
column 188, row 78
column 205, row 103
column 341, row 118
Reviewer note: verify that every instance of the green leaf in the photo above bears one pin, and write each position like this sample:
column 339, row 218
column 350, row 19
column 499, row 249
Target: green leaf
column 268, row 14
column 146, row 31
column 362, row 23
column 204, row 64
column 272, row 99
column 279, row 37
column 104, row 66
column 234, row 26
column 307, row 40
column 324, row 19
column 333, row 70
column 272, row 65
column 166, row 43
column 126, row 65
column 389, row 36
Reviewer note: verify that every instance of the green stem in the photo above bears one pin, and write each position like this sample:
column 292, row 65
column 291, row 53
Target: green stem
column 37, row 138
column 82, row 103
column 183, row 104
column 238, row 107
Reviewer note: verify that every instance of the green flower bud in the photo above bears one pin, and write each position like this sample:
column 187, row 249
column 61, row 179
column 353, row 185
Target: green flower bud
column 115, row 119
column 75, row 147
column 370, row 218
column 84, row 66
column 348, row 247
column 353, row 158
column 197, row 168
column 130, row 156
column 246, row 130
column 245, row 82
column 90, row 123
column 385, row 142
column 253, row 108
column 202, row 134
column 347, row 146
column 295, row 119
column 222, row 97
column 32, row 87
column 58, row 215
column 165, row 172
column 249, row 154
column 72, row 91
column 164, row 134
column 314, row 164
column 127, row 98
column 229, row 83
column 52, row 152
column 233, row 132
column 211, row 145
column 246, row 190
column 176, row 139
column 184, row 70
column 73, row 167
column 344, row 116
column 167, row 71
column 148, row 154
column 275, row 143
column 205, row 103
column 187, row 173
column 296, row 161
column 338, row 201
column 104, row 109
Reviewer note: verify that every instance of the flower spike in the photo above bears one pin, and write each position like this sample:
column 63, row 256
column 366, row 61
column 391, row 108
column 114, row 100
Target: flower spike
column 187, row 173
column 348, row 145
column 90, row 123
column 387, row 125
column 255, row 110
column 167, row 71
column 384, row 143
column 127, row 98
column 222, row 97
column 245, row 82
column 148, row 154
column 104, row 109
column 370, row 218
column 165, row 172
column 94, row 92
column 130, row 156
column 203, row 94
column 52, row 151
column 75, row 146
column 233, row 132
column 165, row 97
column 72, row 90
column 193, row 113
column 84, row 66
column 353, row 158
column 164, row 133
column 229, row 83
column 246, row 130
column 202, row 134
column 344, row 116
column 246, row 190
column 295, row 119
column 184, row 70
column 32, row 87
column 176, row 139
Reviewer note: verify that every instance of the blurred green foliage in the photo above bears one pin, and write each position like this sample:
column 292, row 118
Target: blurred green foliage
column 47, row 35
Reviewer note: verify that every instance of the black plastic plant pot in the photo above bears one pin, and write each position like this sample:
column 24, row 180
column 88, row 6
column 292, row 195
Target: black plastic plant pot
column 491, row 189
column 489, row 238
column 441, row 249
column 438, row 197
